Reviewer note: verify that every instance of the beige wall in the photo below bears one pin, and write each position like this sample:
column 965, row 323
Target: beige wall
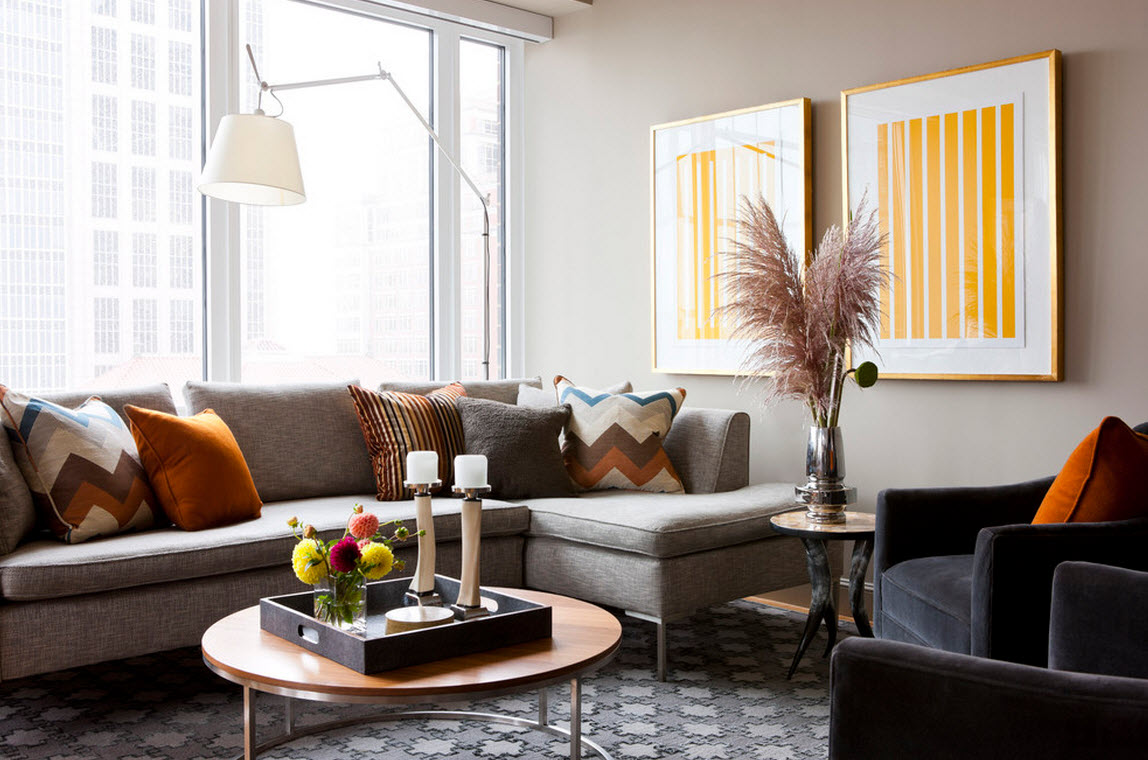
column 612, row 71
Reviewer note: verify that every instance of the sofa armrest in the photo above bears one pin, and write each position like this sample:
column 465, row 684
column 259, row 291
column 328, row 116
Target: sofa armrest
column 710, row 449
column 934, row 522
column 1099, row 617
column 1013, row 567
column 890, row 699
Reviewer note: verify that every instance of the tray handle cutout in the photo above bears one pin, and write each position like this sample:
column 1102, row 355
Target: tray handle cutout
column 308, row 634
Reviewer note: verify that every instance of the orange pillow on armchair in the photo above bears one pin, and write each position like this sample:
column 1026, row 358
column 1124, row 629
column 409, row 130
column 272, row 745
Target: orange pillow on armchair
column 1103, row 480
column 197, row 471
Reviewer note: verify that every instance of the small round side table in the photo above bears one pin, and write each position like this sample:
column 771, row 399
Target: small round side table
column 859, row 528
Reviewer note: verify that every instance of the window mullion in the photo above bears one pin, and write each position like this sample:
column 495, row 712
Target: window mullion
column 514, row 280
column 223, row 274
column 447, row 203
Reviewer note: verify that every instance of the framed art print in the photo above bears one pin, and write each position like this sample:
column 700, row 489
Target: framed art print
column 963, row 169
column 702, row 168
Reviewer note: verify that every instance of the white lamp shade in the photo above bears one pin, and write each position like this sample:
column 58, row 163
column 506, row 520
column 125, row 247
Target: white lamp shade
column 253, row 160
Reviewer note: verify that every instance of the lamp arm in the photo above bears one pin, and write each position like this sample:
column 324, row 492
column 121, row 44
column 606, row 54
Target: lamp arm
column 384, row 75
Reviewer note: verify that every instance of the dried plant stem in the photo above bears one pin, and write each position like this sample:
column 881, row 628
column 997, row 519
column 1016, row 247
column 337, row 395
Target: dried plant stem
column 798, row 324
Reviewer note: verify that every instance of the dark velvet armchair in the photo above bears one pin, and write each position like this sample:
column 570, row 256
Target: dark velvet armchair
column 963, row 570
column 890, row 699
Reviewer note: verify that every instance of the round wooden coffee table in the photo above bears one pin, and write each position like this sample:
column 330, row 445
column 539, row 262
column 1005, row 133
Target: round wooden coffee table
column 584, row 639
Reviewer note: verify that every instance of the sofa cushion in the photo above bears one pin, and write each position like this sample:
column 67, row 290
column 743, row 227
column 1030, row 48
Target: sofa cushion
column 521, row 447
column 662, row 525
column 615, row 440
column 48, row 569
column 1103, row 480
column 17, row 513
column 299, row 440
column 505, row 391
column 537, row 398
column 81, row 466
column 157, row 397
column 395, row 424
column 198, row 472
column 928, row 600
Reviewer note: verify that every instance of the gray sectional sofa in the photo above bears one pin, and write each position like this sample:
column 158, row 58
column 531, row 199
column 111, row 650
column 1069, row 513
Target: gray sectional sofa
column 658, row 557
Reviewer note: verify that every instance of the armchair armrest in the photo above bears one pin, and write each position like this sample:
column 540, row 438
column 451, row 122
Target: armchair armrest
column 890, row 699
column 710, row 449
column 932, row 522
column 1013, row 567
column 1099, row 619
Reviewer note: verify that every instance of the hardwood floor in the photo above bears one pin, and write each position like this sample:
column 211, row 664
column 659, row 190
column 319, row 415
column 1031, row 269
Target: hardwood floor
column 797, row 598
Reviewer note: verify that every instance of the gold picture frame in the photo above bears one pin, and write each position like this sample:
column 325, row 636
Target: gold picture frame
column 965, row 169
column 700, row 168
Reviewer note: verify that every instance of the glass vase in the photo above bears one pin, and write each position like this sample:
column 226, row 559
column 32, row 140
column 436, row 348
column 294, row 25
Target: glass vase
column 342, row 602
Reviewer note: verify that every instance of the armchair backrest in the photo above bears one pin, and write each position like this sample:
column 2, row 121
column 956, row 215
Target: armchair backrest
column 1098, row 620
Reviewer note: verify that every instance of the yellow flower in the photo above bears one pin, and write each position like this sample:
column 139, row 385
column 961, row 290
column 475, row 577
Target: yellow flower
column 377, row 560
column 308, row 562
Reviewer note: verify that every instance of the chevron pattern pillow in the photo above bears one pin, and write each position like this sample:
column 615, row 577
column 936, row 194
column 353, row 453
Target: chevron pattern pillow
column 81, row 466
column 615, row 440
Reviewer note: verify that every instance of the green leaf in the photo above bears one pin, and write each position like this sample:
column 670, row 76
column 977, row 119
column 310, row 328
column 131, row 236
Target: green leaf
column 866, row 374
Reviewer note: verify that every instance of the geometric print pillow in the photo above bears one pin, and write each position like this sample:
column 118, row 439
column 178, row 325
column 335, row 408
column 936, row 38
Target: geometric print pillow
column 615, row 440
column 81, row 466
column 395, row 423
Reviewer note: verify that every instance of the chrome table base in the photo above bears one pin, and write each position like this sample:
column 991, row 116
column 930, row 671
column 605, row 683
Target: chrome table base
column 252, row 748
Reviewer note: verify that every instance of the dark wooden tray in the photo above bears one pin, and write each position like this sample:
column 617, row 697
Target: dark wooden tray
column 515, row 621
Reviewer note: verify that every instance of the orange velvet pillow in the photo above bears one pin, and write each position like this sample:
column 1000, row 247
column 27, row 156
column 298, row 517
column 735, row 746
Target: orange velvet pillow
column 1103, row 480
column 196, row 468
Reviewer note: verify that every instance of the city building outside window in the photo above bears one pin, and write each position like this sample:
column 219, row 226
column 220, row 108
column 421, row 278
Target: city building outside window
column 105, row 190
column 145, row 261
column 106, row 250
column 143, row 62
column 143, row 128
column 105, row 132
column 102, row 250
column 104, row 55
column 143, row 11
column 106, row 325
column 182, row 264
column 143, row 194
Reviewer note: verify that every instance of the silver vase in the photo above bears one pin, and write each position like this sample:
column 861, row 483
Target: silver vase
column 824, row 494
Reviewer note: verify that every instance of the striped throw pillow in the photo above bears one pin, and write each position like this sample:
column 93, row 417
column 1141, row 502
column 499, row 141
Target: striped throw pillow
column 81, row 465
column 395, row 423
column 615, row 440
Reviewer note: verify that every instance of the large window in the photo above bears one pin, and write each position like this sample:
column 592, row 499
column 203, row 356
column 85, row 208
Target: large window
column 340, row 287
column 481, row 99
column 84, row 135
column 103, row 258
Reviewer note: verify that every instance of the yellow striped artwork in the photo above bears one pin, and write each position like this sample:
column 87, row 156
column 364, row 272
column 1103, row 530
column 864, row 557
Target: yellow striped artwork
column 710, row 185
column 946, row 191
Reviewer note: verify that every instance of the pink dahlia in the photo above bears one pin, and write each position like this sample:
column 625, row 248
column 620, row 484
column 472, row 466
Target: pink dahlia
column 344, row 555
column 363, row 525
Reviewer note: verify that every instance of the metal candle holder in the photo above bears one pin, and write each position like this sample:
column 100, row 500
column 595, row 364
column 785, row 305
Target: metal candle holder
column 422, row 586
column 469, row 604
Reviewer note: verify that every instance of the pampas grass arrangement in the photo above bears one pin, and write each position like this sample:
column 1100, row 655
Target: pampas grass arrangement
column 799, row 325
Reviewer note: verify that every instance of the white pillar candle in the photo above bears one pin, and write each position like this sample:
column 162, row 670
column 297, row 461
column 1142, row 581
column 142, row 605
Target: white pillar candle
column 470, row 471
column 422, row 467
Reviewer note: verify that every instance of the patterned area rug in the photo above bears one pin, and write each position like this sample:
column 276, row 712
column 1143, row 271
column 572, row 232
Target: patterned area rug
column 727, row 697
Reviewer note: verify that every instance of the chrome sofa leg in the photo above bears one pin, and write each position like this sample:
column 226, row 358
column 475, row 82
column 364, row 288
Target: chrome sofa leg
column 661, row 635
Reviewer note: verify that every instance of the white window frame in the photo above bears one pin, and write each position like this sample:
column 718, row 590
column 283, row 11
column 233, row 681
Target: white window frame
column 223, row 276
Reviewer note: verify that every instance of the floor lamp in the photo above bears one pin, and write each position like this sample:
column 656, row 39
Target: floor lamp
column 254, row 160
